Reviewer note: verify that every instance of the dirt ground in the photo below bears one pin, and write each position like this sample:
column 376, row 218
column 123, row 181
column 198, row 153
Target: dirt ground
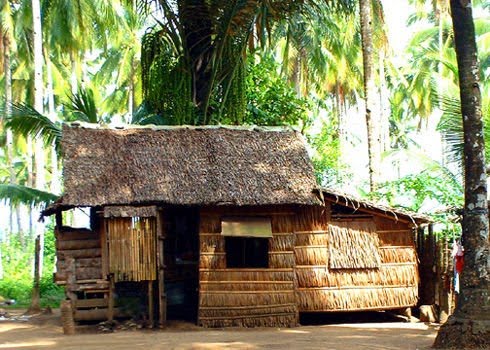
column 352, row 332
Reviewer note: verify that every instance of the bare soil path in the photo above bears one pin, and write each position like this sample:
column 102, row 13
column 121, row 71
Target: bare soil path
column 44, row 332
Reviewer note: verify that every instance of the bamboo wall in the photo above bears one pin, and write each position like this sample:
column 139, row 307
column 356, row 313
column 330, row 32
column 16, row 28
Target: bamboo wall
column 249, row 297
column 132, row 248
column 321, row 287
column 84, row 246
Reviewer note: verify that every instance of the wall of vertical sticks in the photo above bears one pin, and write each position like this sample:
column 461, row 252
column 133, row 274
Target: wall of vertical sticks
column 132, row 248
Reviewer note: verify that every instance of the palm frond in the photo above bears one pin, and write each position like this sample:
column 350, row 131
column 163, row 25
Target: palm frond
column 83, row 106
column 18, row 194
column 26, row 121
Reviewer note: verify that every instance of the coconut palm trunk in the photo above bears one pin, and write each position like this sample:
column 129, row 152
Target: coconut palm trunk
column 39, row 147
column 372, row 120
column 469, row 326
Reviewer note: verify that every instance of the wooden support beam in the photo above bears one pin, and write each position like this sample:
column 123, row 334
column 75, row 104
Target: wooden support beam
column 110, row 309
column 162, row 298
column 150, row 304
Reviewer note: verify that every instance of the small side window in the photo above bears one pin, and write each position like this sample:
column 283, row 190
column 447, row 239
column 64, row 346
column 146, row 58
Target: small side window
column 246, row 241
column 247, row 252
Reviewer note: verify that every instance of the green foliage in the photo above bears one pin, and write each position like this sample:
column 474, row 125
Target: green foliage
column 167, row 84
column 17, row 260
column 83, row 106
column 434, row 191
column 18, row 194
column 270, row 99
column 326, row 156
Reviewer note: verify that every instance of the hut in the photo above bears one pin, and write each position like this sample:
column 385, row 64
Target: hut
column 221, row 225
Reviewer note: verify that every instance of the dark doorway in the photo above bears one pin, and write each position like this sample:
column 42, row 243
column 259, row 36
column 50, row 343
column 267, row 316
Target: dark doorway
column 181, row 253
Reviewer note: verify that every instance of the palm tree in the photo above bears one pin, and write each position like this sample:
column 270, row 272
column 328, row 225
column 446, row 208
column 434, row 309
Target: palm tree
column 372, row 122
column 469, row 326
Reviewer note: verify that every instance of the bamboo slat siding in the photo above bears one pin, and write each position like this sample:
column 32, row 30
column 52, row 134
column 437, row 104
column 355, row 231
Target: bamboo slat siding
column 249, row 297
column 342, row 282
column 132, row 248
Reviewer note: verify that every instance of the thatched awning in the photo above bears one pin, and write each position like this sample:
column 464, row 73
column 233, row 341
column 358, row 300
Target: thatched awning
column 185, row 166
column 362, row 205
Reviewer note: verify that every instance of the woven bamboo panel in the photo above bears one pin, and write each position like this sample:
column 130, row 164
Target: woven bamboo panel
column 132, row 248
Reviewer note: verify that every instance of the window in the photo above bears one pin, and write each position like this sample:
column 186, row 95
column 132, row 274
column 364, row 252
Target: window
column 247, row 252
column 246, row 241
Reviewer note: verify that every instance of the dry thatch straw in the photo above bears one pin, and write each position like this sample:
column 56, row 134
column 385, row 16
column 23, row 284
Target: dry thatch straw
column 345, row 299
column 229, row 165
column 211, row 243
column 398, row 254
column 311, row 255
column 282, row 242
column 212, row 260
column 386, row 275
column 266, row 320
column 247, row 275
column 353, row 244
column 246, row 286
column 281, row 259
column 396, row 237
column 312, row 238
column 244, row 298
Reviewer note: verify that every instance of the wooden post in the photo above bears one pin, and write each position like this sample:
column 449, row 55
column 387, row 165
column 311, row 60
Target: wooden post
column 150, row 303
column 162, row 298
column 110, row 309
column 71, row 278
column 67, row 317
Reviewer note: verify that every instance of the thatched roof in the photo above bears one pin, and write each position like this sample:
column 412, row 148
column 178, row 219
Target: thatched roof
column 185, row 166
column 362, row 205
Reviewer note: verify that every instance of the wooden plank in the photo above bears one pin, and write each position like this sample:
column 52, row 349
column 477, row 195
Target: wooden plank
column 80, row 253
column 92, row 303
column 77, row 244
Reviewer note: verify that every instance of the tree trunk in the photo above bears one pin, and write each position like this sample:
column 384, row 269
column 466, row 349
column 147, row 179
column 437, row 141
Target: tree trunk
column 373, row 134
column 39, row 155
column 198, row 35
column 469, row 326
column 35, row 302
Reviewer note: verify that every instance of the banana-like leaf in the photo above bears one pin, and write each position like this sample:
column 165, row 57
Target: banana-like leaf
column 18, row 194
